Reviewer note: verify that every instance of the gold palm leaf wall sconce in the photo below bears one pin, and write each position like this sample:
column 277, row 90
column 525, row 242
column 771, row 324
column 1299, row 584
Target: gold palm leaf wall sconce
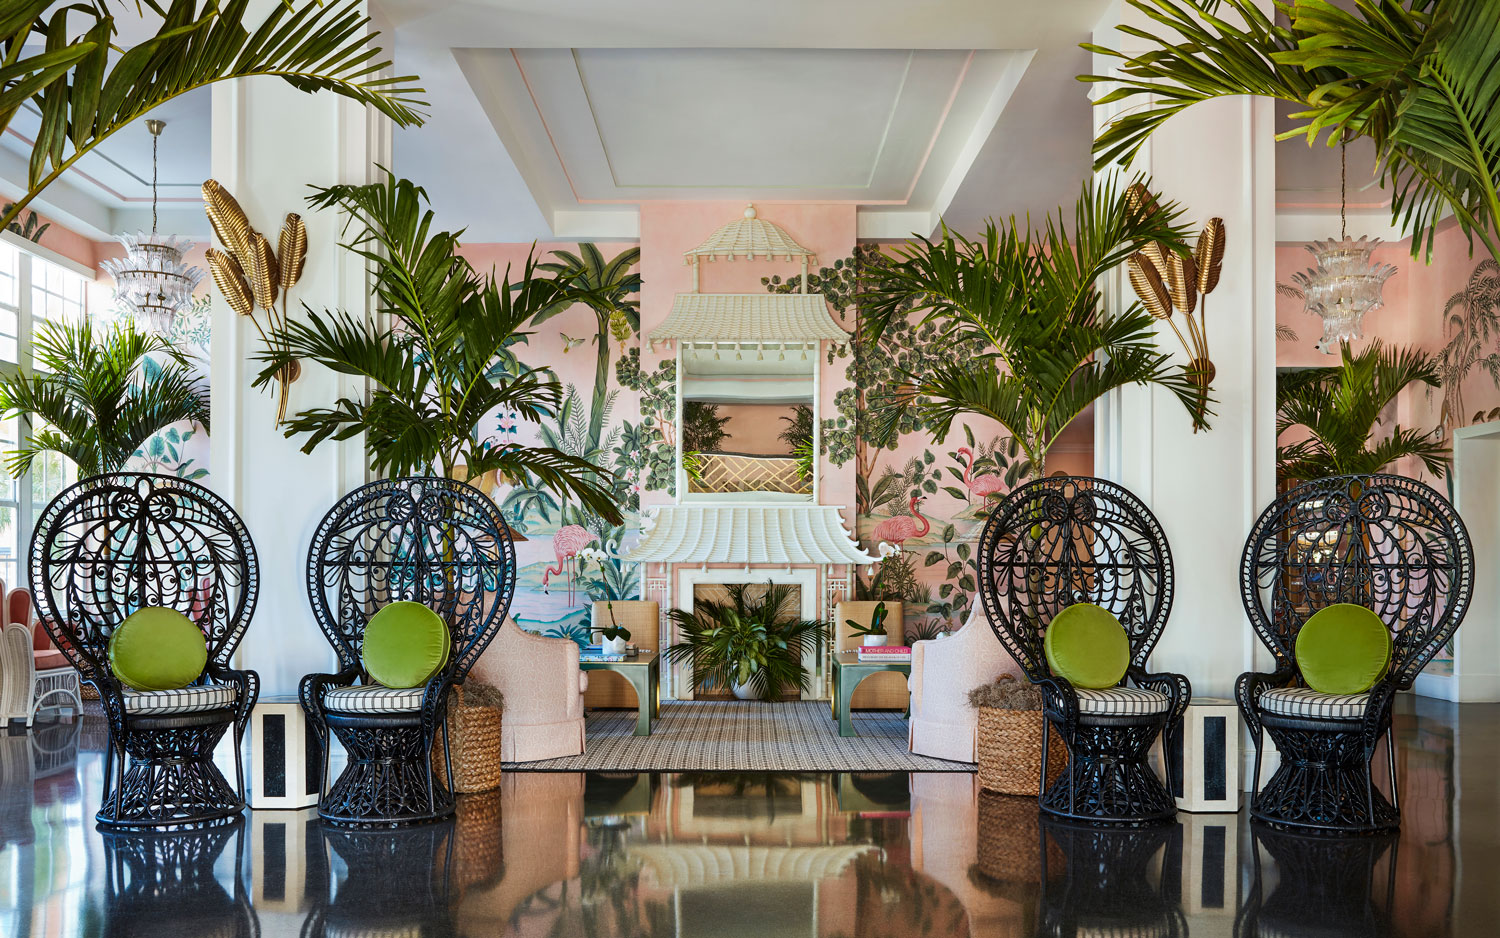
column 1174, row 286
column 252, row 276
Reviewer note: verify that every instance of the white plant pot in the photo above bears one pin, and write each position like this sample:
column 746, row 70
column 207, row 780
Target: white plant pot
column 876, row 639
column 744, row 692
column 614, row 646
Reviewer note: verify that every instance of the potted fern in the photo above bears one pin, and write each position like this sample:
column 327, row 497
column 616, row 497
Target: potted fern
column 751, row 645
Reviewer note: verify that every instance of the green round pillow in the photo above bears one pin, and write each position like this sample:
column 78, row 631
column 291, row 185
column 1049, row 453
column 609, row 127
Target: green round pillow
column 1088, row 646
column 157, row 648
column 1343, row 649
column 406, row 643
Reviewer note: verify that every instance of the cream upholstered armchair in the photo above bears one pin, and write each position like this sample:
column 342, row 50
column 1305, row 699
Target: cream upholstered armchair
column 943, row 671
column 33, row 673
column 543, row 689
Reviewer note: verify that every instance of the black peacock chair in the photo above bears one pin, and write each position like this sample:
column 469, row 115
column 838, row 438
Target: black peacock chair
column 165, row 885
column 108, row 546
column 428, row 540
column 1060, row 541
column 1391, row 544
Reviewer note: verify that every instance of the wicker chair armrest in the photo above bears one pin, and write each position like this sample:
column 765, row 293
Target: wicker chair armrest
column 247, row 688
column 1178, row 689
column 311, row 689
column 1249, row 687
column 111, row 698
column 1378, row 711
column 435, row 696
column 1059, row 701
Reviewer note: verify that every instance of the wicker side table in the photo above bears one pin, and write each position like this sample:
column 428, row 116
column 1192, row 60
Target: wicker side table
column 474, row 734
column 1010, row 751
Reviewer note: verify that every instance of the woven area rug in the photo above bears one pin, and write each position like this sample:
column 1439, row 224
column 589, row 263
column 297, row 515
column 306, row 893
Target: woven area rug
column 732, row 735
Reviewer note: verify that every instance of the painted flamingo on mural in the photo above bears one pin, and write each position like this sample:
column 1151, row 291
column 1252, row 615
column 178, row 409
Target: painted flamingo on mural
column 984, row 485
column 897, row 530
column 566, row 543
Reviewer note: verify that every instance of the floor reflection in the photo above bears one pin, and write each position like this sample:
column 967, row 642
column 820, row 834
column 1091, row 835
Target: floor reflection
column 627, row 855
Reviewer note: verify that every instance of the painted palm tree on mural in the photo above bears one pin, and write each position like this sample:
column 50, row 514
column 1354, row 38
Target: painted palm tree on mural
column 613, row 291
column 1470, row 318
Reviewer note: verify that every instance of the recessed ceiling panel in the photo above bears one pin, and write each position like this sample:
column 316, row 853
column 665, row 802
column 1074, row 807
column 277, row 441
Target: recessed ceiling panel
column 752, row 118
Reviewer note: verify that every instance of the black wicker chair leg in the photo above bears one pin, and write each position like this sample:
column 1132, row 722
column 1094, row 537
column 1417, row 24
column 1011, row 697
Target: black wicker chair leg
column 1260, row 742
column 447, row 756
column 239, row 764
column 1390, row 763
column 109, row 772
column 1042, row 783
column 119, row 776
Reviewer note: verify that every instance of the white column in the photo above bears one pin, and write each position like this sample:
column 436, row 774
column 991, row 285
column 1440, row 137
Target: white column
column 270, row 142
column 1207, row 488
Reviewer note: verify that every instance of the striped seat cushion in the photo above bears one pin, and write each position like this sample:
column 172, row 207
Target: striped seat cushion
column 1121, row 701
column 181, row 700
column 372, row 698
column 1306, row 702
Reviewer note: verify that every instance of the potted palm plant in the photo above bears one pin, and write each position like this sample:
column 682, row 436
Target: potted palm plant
column 437, row 357
column 98, row 396
column 1029, row 300
column 1338, row 407
column 752, row 645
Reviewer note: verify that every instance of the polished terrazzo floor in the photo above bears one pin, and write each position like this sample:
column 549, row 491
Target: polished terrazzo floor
column 722, row 855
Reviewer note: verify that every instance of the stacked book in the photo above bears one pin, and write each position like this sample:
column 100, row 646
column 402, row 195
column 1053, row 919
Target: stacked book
column 590, row 653
column 893, row 654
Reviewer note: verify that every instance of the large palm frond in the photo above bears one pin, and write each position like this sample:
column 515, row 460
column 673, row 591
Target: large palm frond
column 86, row 89
column 429, row 360
column 1419, row 78
column 95, row 401
column 1339, row 406
column 1030, row 297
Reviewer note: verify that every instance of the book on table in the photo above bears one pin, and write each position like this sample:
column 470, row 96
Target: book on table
column 897, row 654
column 594, row 657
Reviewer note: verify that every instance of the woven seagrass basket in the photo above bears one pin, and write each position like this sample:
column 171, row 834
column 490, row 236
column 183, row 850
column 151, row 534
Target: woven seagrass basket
column 475, row 736
column 1010, row 751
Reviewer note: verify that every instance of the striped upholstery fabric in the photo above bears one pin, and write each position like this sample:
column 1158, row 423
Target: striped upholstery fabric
column 1121, row 701
column 181, row 700
column 372, row 698
column 1306, row 702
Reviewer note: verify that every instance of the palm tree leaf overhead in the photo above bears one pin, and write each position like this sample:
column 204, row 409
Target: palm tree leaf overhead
column 429, row 361
column 1339, row 406
column 1030, row 299
column 96, row 400
column 86, row 89
column 1419, row 78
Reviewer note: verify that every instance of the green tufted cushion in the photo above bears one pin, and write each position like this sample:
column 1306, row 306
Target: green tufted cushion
column 157, row 648
column 406, row 643
column 1343, row 649
column 1088, row 646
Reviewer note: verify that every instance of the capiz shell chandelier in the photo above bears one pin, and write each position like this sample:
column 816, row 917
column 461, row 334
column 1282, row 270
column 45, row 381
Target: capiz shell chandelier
column 1343, row 285
column 152, row 277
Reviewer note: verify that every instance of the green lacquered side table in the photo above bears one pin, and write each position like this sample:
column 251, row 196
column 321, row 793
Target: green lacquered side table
column 848, row 671
column 643, row 675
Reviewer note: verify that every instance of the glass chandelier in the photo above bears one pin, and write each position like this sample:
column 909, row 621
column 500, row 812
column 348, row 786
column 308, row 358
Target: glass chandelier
column 152, row 277
column 1344, row 283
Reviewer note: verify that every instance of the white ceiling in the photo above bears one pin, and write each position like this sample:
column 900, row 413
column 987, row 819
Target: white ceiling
column 558, row 118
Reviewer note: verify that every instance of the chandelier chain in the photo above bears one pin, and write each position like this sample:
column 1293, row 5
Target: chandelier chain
column 1343, row 188
column 155, row 139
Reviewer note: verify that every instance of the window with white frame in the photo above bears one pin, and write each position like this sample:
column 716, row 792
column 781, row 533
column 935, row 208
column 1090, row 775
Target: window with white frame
column 33, row 291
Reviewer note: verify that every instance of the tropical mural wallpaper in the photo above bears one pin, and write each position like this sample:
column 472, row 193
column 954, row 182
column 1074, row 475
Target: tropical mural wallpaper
column 918, row 506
